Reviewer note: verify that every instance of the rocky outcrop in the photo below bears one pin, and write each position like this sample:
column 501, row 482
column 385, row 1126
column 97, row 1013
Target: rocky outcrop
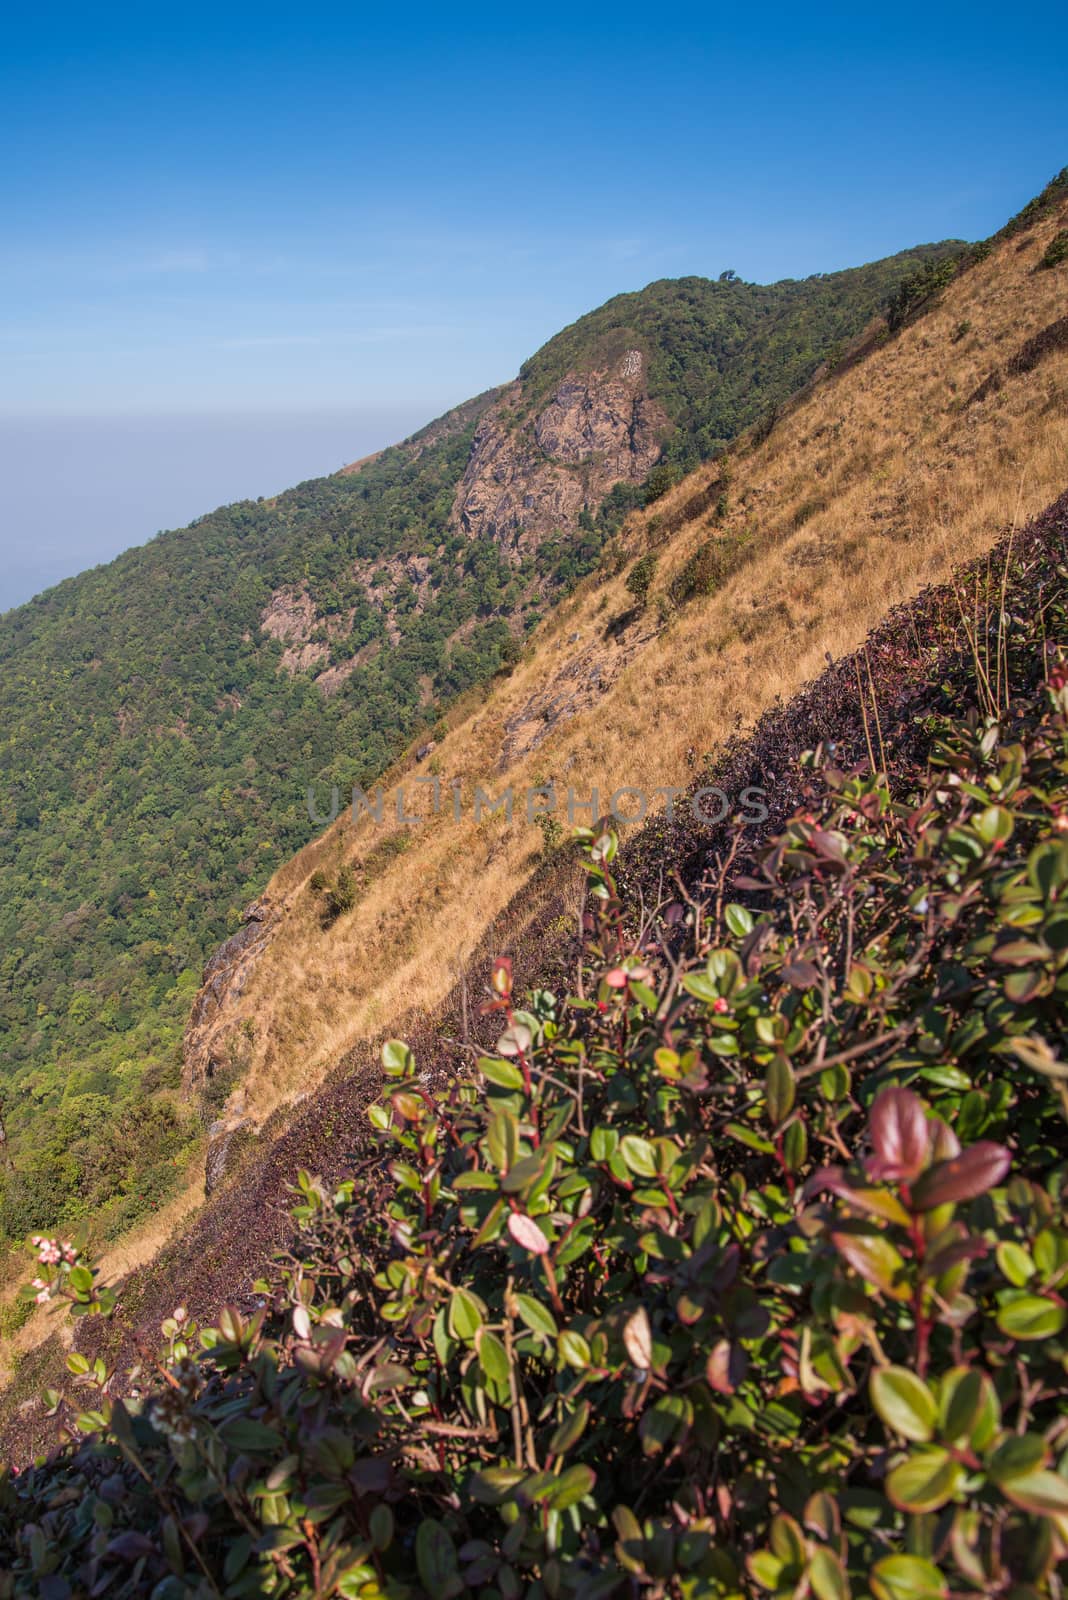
column 207, row 1047
column 575, row 686
column 522, row 485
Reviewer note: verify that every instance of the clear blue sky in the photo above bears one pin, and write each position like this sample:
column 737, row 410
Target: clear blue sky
column 246, row 215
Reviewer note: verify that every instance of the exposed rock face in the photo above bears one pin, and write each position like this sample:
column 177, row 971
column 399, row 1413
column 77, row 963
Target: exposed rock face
column 224, row 1139
column 578, row 684
column 289, row 615
column 206, row 1045
column 518, row 487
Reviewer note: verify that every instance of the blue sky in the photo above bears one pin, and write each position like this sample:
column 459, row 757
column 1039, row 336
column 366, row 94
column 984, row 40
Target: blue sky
column 242, row 215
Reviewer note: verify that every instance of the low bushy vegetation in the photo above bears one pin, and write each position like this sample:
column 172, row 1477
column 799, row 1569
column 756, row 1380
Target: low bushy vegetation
column 740, row 1270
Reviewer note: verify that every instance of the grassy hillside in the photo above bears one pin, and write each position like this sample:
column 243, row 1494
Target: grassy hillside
column 163, row 716
column 878, row 481
column 733, row 1268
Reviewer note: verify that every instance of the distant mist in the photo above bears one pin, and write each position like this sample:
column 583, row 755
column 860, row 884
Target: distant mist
column 75, row 491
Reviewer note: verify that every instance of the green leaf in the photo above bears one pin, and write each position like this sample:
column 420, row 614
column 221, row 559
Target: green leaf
column 765, row 1568
column 962, row 1401
column 907, row 1578
column 571, row 1487
column 1030, row 1316
column 380, row 1527
column 904, row 1402
column 573, row 1349
column 1038, row 1491
column 1015, row 1262
column 493, row 1484
column 827, row 1576
column 435, row 1557
column 701, row 987
column 493, row 1358
column 505, row 1074
column 639, row 1155
column 475, row 1180
column 604, row 1142
column 538, row 1318
column 665, row 1422
column 246, row 1435
column 465, row 1315
column 925, row 1480
column 570, row 1430
column 795, row 1146
column 397, row 1059
column 502, row 1139
column 1019, row 1455
column 738, row 920
column 81, row 1279
column 780, row 1089
column 752, row 1141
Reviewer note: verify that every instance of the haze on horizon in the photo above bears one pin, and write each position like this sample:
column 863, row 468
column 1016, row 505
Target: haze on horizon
column 243, row 249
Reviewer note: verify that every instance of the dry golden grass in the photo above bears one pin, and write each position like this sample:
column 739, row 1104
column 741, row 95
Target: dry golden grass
column 901, row 479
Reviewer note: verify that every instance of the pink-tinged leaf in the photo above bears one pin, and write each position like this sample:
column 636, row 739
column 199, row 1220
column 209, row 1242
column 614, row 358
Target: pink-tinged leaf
column 514, row 1041
column 972, row 1173
column 831, row 846
column 876, row 1260
column 899, row 1135
column 527, row 1234
column 726, row 1366
column 944, row 1144
column 638, row 1339
column 501, row 976
column 616, row 979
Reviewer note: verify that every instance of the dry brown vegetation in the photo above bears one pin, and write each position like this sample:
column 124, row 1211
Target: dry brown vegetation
column 877, row 482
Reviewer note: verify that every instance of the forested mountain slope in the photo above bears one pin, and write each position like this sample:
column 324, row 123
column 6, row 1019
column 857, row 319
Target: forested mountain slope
column 163, row 716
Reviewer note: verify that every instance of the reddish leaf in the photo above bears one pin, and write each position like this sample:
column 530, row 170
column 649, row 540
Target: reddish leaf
column 874, row 1257
column 899, row 1135
column 972, row 1173
column 726, row 1366
column 525, row 1232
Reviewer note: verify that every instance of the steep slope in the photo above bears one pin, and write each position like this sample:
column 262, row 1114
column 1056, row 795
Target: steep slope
column 163, row 716
column 878, row 481
column 913, row 456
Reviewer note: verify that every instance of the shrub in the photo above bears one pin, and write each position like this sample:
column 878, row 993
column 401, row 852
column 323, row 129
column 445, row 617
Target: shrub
column 342, row 897
column 1056, row 251
column 640, row 577
column 712, row 1279
column 701, row 574
column 660, row 479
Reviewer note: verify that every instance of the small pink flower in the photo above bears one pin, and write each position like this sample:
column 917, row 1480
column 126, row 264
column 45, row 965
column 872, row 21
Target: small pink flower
column 39, row 1283
column 43, row 1296
column 719, row 1005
